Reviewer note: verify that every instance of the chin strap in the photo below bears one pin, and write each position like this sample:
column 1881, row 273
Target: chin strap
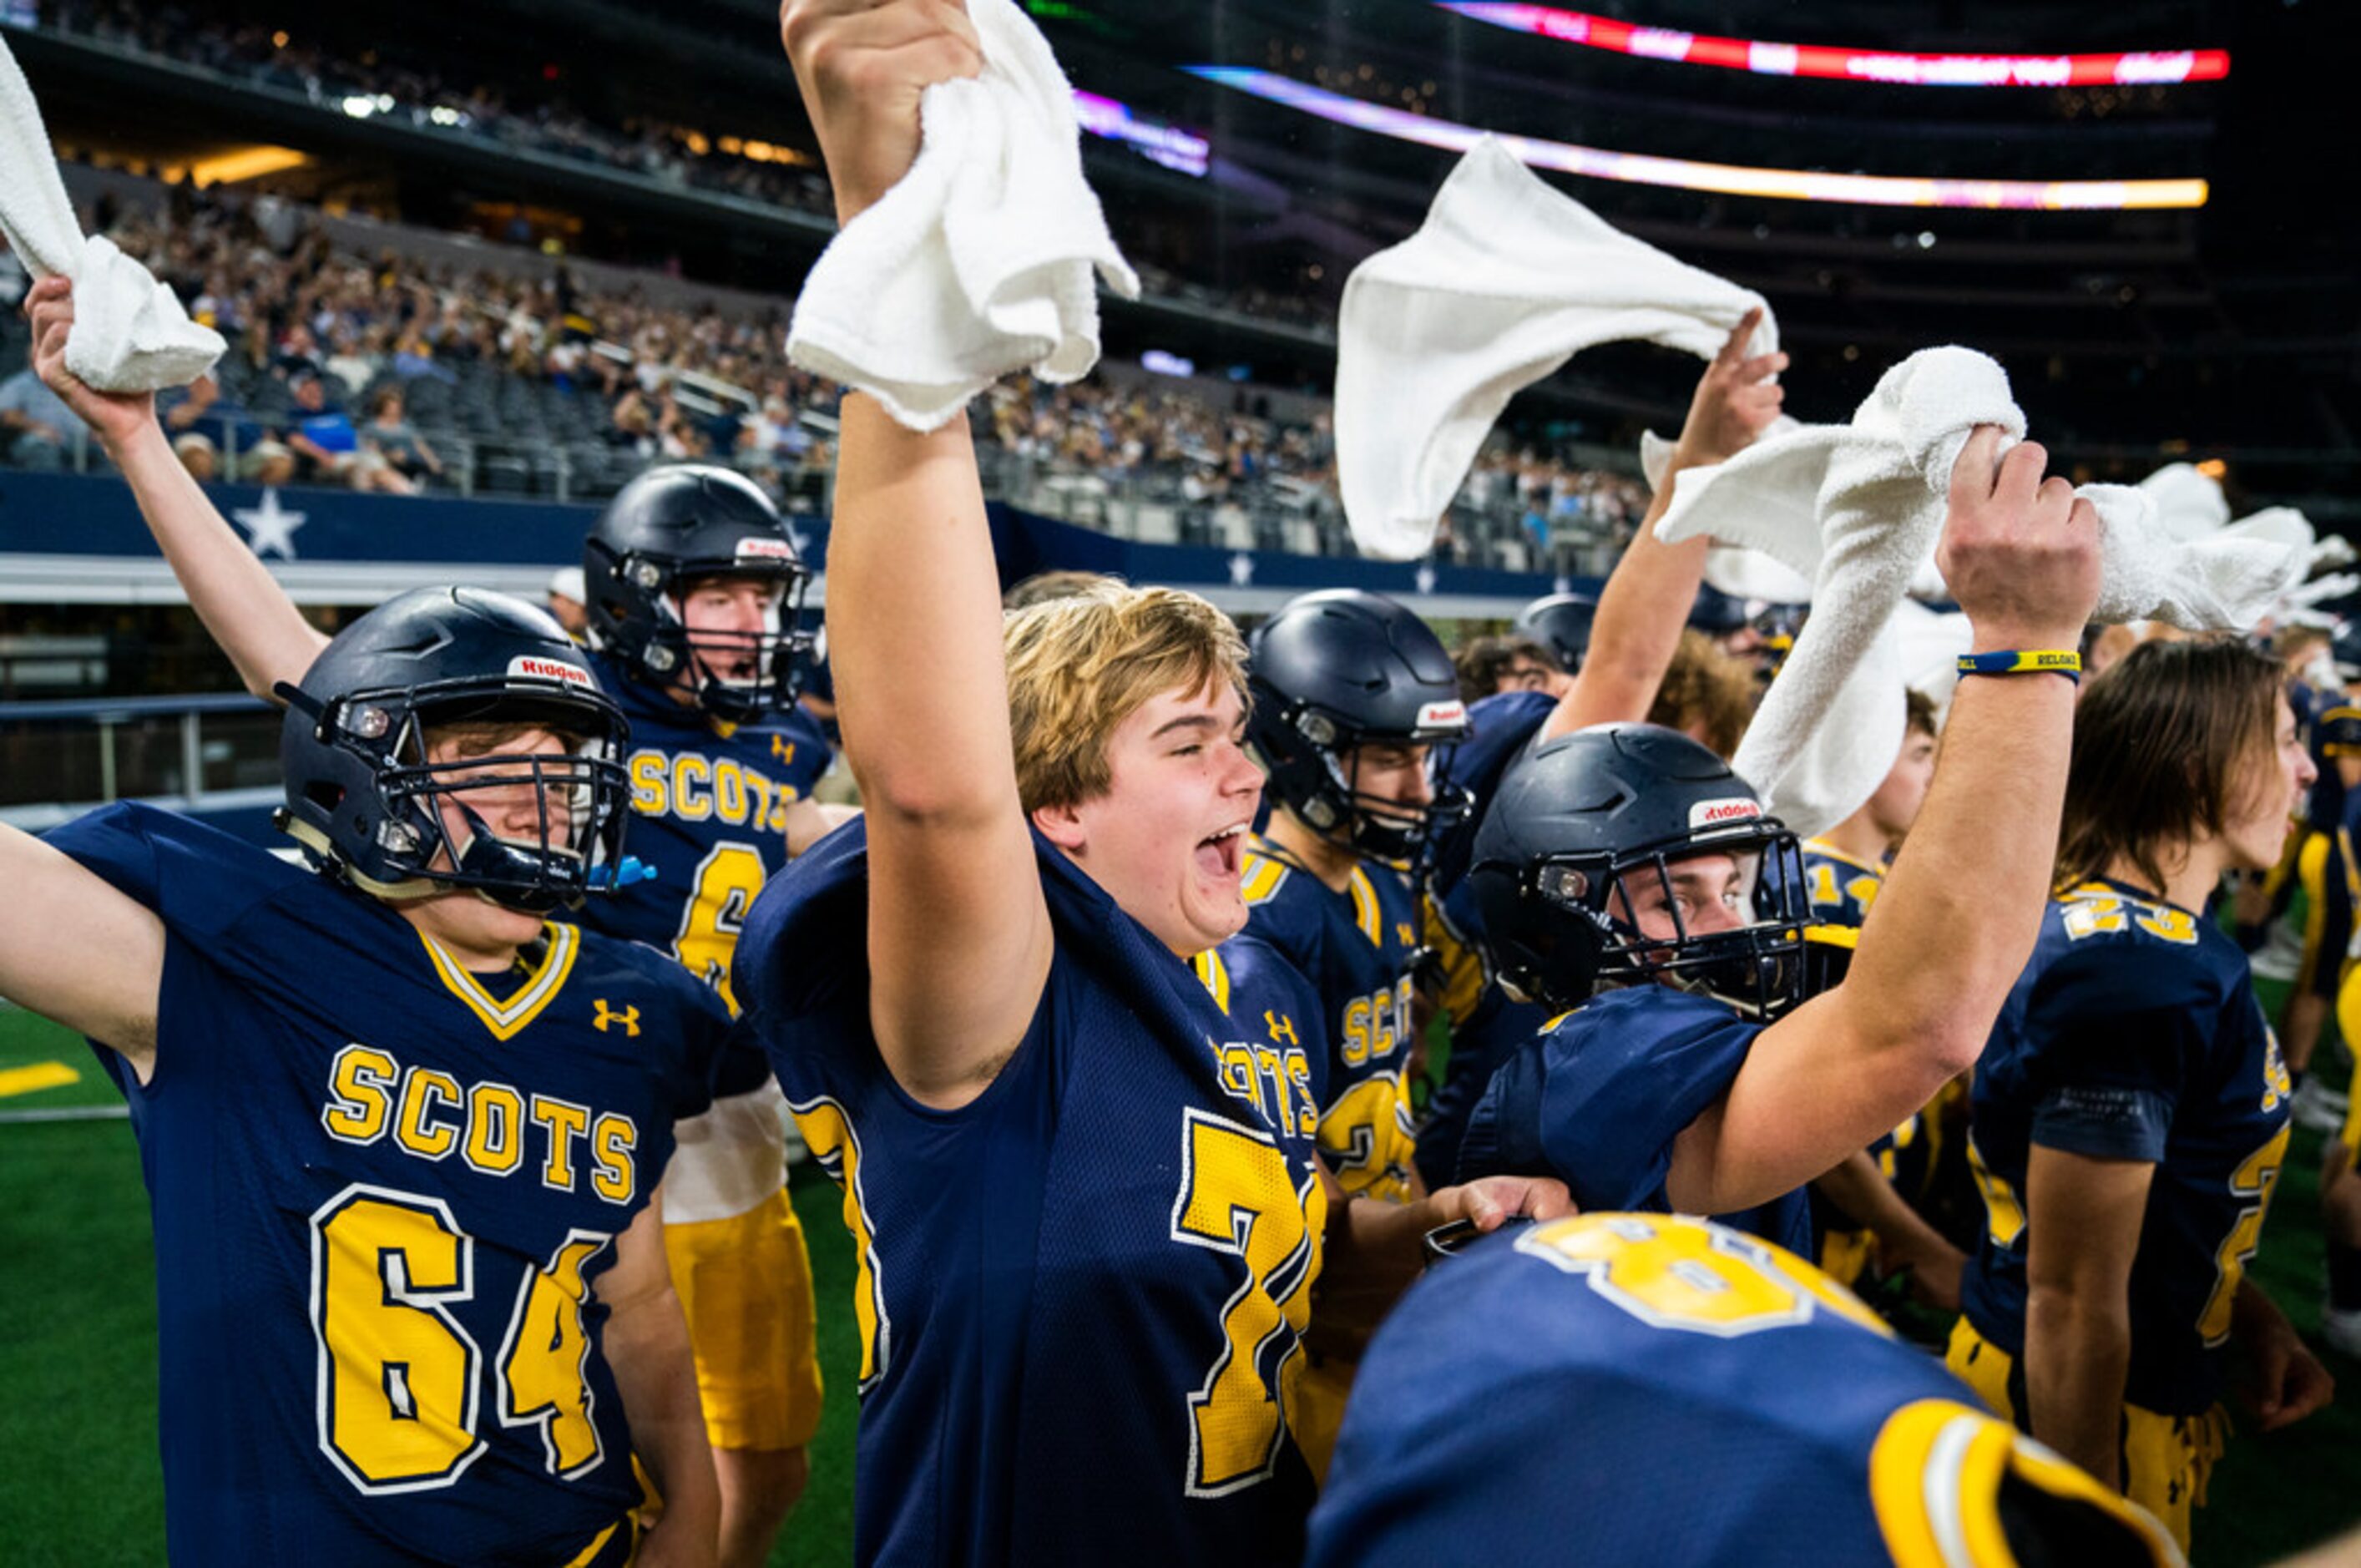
column 408, row 890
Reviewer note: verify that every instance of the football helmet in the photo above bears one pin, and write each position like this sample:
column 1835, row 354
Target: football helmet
column 1588, row 823
column 1342, row 669
column 1561, row 624
column 368, row 803
column 666, row 528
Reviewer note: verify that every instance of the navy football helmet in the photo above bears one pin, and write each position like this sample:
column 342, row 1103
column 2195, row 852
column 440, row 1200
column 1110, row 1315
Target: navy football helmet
column 368, row 803
column 1587, row 822
column 666, row 528
column 1335, row 671
column 1561, row 624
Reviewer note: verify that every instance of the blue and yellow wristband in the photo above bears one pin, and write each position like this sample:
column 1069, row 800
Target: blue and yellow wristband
column 2063, row 662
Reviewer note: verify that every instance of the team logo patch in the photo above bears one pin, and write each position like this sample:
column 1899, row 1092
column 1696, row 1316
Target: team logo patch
column 610, row 1017
column 525, row 665
column 1714, row 813
column 1442, row 713
column 765, row 550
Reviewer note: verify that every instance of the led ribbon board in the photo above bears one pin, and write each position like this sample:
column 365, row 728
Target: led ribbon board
column 1150, row 137
column 2140, row 69
column 1737, row 180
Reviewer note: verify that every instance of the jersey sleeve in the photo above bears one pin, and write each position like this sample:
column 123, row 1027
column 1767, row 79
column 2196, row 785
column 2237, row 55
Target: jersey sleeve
column 1597, row 1100
column 2111, row 1033
column 197, row 878
column 2338, row 733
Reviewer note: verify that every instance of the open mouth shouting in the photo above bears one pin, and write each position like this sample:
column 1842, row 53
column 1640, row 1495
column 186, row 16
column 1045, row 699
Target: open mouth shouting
column 1219, row 854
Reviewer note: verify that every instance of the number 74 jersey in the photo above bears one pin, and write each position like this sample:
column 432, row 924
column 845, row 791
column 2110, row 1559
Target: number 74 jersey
column 384, row 1190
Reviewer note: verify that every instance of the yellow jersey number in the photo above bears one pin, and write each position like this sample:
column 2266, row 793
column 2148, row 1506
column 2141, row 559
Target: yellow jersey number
column 2254, row 1179
column 726, row 880
column 1237, row 1195
column 1676, row 1273
column 398, row 1394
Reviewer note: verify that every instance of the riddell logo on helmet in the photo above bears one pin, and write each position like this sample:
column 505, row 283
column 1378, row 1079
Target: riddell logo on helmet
column 1442, row 713
column 1713, row 813
column 551, row 670
column 765, row 550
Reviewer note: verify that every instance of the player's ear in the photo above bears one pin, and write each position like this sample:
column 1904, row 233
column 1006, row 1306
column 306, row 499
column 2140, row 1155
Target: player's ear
column 1062, row 825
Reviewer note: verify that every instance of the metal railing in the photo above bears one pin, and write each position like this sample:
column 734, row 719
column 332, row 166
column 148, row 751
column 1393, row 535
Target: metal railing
column 59, row 759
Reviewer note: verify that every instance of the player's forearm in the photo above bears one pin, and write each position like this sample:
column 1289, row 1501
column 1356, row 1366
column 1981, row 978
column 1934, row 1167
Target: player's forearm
column 914, row 622
column 1958, row 912
column 249, row 615
column 1641, row 612
column 1862, row 1191
column 647, row 1348
column 2077, row 1355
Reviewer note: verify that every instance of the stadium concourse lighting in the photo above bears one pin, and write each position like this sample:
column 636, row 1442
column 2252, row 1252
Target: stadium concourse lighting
column 2133, row 70
column 1680, row 173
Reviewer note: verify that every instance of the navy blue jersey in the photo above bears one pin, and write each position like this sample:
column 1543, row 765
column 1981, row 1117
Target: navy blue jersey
column 1499, row 728
column 1486, row 1027
column 709, row 814
column 1357, row 948
column 1639, row 1389
column 1079, row 1295
column 2134, row 1034
column 1277, row 1011
column 1842, row 888
column 383, row 1190
column 1598, row 1096
column 2318, row 712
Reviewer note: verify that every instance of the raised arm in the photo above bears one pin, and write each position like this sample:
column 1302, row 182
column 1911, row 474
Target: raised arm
column 1960, row 911
column 1647, row 599
column 249, row 615
column 75, row 950
column 959, row 934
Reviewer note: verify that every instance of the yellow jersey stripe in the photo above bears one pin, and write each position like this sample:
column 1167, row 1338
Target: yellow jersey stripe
column 506, row 1019
column 1262, row 878
column 1215, row 974
column 1367, row 914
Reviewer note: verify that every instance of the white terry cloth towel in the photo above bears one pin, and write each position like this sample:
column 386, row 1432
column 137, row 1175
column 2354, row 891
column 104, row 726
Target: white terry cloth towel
column 130, row 333
column 2190, row 504
column 1731, row 569
column 1860, row 508
column 979, row 262
column 1506, row 281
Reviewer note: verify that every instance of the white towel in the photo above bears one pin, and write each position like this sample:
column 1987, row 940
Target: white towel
column 1742, row 573
column 129, row 335
column 978, row 262
column 1506, row 279
column 1860, row 508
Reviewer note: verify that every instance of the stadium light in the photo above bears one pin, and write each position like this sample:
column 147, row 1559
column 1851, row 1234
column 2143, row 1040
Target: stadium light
column 2136, row 69
column 1738, row 179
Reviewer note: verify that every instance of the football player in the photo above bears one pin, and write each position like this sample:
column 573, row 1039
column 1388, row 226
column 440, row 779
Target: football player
column 1631, row 858
column 1349, row 695
column 979, row 1001
column 1866, row 1207
column 692, row 581
column 2130, row 1114
column 403, row 1134
column 1659, row 1390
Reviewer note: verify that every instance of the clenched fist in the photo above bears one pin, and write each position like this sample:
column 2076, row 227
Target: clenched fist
column 861, row 66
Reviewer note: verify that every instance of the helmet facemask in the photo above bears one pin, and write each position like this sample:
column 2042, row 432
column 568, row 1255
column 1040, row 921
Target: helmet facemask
column 1755, row 966
column 432, row 824
column 1320, row 785
column 658, row 646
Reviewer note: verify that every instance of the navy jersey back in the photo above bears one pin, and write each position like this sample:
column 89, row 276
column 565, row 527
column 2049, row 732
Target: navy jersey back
column 1635, row 1388
column 1499, row 728
column 1357, row 948
column 383, row 1190
column 1079, row 1295
column 1597, row 1097
column 2134, row 1034
column 709, row 814
column 2318, row 712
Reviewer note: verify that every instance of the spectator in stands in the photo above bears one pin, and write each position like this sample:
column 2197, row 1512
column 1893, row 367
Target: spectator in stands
column 567, row 597
column 269, row 462
column 390, row 436
column 196, row 453
column 34, row 422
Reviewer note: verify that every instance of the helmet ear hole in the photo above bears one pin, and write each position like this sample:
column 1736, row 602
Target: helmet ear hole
column 325, row 794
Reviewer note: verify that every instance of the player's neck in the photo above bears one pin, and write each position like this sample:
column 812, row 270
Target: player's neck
column 1859, row 838
column 1331, row 863
column 480, row 936
column 2192, row 871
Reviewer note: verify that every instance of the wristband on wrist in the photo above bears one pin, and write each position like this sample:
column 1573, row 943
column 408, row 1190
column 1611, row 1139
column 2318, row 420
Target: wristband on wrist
column 2063, row 662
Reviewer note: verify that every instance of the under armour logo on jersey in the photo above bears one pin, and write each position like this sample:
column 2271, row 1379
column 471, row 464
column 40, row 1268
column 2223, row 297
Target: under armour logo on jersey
column 1405, row 934
column 1281, row 1029
column 783, row 748
column 628, row 1018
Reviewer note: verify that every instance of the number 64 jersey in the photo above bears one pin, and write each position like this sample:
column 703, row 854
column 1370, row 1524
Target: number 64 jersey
column 384, row 1188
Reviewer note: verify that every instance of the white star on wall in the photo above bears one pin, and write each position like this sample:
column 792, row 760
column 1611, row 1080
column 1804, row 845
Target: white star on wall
column 270, row 526
column 1424, row 577
column 1241, row 570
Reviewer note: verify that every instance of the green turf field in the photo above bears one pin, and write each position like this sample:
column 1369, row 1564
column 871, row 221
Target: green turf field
column 82, row 1487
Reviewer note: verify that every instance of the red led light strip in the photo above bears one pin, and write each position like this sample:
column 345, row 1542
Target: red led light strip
column 2138, row 69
